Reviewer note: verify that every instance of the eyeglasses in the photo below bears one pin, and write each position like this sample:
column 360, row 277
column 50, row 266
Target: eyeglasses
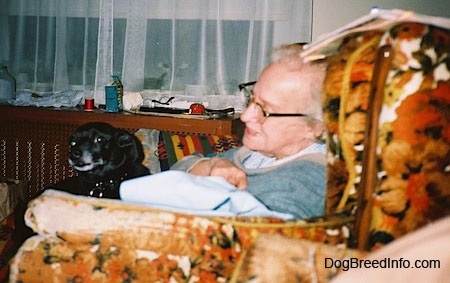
column 246, row 90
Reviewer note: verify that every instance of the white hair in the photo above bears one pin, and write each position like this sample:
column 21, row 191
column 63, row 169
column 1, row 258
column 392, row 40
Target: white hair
column 311, row 75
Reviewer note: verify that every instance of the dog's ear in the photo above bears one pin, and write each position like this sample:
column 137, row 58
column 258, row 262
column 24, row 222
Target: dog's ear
column 124, row 139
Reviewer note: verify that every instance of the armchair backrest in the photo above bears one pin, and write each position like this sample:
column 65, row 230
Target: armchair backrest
column 386, row 105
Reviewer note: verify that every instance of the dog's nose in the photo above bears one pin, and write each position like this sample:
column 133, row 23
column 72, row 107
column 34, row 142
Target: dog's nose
column 76, row 153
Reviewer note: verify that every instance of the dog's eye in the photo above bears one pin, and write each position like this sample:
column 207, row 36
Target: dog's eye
column 100, row 139
column 73, row 143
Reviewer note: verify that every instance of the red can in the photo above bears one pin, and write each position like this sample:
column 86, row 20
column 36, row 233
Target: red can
column 88, row 104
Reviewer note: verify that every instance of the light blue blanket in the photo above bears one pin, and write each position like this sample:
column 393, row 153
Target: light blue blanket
column 186, row 193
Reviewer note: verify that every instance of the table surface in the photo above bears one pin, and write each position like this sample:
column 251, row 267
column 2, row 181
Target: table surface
column 173, row 123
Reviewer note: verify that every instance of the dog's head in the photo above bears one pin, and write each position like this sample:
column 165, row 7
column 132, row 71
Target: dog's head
column 99, row 149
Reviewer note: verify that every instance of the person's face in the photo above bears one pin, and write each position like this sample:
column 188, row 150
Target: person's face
column 277, row 91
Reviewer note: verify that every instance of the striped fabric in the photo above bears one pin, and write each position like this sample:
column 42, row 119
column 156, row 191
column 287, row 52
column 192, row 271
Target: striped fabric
column 174, row 146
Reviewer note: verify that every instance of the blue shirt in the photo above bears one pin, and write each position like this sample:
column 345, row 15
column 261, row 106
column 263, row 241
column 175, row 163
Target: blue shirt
column 259, row 160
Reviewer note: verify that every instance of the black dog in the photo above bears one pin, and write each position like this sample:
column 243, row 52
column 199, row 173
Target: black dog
column 103, row 156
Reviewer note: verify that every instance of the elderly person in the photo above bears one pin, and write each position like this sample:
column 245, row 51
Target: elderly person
column 282, row 161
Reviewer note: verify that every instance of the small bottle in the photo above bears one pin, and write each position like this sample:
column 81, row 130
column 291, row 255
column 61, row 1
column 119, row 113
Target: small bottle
column 7, row 84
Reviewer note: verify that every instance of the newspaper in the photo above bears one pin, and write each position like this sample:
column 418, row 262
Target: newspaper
column 377, row 19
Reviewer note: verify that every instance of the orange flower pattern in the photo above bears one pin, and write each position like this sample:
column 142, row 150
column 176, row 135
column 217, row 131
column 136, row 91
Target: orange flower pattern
column 414, row 129
column 413, row 190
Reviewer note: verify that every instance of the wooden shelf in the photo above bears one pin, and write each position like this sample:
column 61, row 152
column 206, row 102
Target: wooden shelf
column 77, row 116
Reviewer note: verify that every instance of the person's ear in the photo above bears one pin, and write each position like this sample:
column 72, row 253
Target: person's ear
column 319, row 130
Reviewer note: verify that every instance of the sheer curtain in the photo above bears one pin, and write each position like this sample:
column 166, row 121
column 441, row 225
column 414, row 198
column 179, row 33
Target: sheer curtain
column 154, row 46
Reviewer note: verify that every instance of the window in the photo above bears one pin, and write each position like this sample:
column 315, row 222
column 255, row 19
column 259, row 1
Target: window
column 151, row 44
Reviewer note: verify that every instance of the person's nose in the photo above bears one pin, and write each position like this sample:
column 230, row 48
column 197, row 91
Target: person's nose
column 248, row 114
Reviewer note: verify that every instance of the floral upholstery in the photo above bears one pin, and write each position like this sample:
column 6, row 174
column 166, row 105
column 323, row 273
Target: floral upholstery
column 414, row 133
column 413, row 147
column 113, row 241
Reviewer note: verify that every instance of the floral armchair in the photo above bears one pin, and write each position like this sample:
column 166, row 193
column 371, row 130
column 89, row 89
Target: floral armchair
column 386, row 106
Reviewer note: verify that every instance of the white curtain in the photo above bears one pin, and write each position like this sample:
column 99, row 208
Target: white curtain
column 160, row 46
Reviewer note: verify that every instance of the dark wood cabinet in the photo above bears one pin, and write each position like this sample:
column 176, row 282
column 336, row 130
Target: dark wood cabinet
column 125, row 120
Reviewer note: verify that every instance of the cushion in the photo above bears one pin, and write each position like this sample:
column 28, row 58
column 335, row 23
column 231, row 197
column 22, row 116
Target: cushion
column 115, row 241
column 277, row 258
column 163, row 149
column 174, row 146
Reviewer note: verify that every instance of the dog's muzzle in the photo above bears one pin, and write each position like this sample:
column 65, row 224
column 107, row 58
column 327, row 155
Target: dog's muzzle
column 84, row 167
column 83, row 161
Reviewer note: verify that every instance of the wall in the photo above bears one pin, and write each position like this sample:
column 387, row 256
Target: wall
column 329, row 15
